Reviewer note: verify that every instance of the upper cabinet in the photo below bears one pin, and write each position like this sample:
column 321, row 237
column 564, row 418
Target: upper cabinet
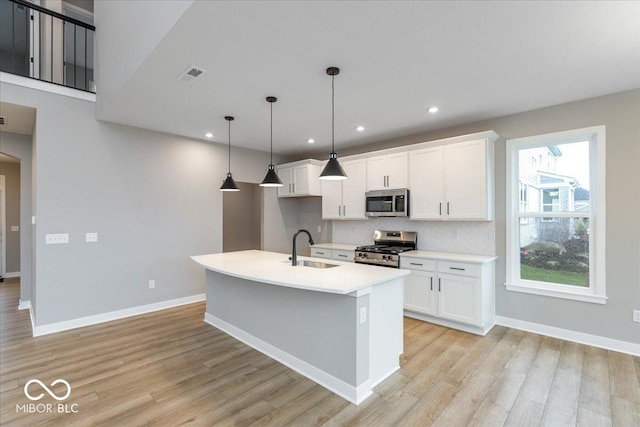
column 300, row 178
column 344, row 199
column 387, row 172
column 453, row 181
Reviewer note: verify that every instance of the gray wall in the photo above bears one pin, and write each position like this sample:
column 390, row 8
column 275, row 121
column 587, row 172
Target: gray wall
column 241, row 218
column 20, row 146
column 153, row 199
column 620, row 113
column 11, row 171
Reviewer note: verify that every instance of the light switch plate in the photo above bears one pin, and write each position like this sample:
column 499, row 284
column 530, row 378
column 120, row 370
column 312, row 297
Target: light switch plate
column 56, row 239
column 91, row 237
column 15, row 228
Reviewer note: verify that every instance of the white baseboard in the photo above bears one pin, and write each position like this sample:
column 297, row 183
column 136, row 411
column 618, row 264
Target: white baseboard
column 114, row 315
column 11, row 275
column 351, row 393
column 566, row 334
column 24, row 305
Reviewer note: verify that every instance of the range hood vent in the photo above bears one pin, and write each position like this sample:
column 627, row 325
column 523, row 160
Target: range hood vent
column 190, row 73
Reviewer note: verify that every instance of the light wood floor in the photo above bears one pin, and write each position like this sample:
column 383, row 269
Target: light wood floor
column 168, row 368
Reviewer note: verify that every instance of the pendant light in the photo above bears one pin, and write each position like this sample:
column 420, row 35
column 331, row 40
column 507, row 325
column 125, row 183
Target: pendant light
column 271, row 179
column 333, row 170
column 229, row 184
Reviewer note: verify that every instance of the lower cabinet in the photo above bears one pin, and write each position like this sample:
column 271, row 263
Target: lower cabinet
column 455, row 294
column 337, row 254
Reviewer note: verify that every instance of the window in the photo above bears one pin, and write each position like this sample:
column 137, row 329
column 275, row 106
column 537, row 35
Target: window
column 556, row 216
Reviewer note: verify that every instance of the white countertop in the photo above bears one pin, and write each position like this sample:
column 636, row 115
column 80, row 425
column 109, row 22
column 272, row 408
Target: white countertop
column 449, row 256
column 276, row 269
column 339, row 246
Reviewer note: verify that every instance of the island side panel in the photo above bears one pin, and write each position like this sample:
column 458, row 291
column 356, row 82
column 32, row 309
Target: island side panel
column 386, row 341
column 321, row 329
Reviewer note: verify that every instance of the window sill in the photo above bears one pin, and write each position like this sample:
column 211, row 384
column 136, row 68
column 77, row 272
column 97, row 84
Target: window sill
column 576, row 296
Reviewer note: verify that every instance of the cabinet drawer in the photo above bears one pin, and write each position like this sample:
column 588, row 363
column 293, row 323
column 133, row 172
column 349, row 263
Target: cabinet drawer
column 342, row 255
column 461, row 268
column 417, row 263
column 321, row 253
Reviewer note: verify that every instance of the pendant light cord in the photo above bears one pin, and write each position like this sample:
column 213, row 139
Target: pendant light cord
column 333, row 148
column 229, row 146
column 271, row 103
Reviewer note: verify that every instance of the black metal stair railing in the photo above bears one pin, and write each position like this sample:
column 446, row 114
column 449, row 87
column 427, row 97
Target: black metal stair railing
column 45, row 45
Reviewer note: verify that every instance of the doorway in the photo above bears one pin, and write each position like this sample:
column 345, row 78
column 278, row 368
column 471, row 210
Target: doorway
column 242, row 218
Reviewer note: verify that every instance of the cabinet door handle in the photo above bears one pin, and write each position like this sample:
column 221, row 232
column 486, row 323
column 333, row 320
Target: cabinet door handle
column 344, row 210
column 457, row 268
column 440, row 208
column 415, row 263
column 447, row 208
column 294, row 187
column 439, row 285
column 338, row 210
column 289, row 188
column 431, row 283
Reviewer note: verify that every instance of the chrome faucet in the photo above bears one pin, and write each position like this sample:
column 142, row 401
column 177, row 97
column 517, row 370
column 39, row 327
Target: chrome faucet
column 294, row 255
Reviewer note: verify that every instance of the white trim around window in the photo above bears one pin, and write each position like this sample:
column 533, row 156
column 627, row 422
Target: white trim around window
column 596, row 292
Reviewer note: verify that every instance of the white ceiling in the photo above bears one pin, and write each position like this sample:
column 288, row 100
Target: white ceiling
column 475, row 60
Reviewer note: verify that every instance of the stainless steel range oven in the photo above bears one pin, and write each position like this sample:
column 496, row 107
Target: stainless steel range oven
column 387, row 247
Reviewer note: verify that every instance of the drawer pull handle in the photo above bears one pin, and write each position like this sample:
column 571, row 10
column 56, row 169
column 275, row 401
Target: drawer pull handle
column 416, row 263
column 439, row 285
column 431, row 283
column 321, row 253
column 457, row 268
column 343, row 256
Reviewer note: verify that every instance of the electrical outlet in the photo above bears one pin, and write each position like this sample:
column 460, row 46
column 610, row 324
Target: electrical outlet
column 15, row 228
column 152, row 284
column 91, row 237
column 636, row 316
column 363, row 315
column 54, row 239
column 319, row 229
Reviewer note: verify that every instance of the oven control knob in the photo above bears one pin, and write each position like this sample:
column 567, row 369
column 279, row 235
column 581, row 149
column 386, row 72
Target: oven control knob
column 384, row 257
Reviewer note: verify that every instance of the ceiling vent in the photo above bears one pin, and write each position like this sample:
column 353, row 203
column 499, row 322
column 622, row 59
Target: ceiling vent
column 2, row 122
column 190, row 74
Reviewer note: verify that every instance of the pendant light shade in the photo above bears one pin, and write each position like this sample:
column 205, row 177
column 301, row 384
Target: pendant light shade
column 333, row 170
column 229, row 184
column 271, row 179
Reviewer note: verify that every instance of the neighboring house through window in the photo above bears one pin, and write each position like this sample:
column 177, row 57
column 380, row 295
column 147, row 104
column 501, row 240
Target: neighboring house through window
column 556, row 215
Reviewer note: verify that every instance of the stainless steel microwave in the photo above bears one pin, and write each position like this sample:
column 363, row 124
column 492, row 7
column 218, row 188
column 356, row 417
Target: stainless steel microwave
column 387, row 202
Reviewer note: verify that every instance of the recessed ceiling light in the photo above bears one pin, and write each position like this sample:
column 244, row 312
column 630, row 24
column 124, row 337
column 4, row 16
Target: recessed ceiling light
column 311, row 140
column 208, row 135
column 433, row 110
column 360, row 128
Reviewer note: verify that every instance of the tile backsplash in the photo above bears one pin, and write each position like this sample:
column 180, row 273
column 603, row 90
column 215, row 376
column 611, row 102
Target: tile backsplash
column 444, row 236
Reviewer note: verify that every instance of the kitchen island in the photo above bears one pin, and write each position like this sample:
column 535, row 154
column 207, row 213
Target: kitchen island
column 341, row 327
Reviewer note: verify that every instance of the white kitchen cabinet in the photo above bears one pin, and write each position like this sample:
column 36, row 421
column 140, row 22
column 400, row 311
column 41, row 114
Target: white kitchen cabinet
column 453, row 181
column 300, row 178
column 454, row 294
column 337, row 254
column 344, row 199
column 387, row 172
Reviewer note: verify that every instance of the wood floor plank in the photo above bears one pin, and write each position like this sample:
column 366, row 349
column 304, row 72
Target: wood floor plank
column 623, row 377
column 595, row 388
column 429, row 407
column 587, row 418
column 624, row 412
column 562, row 403
column 525, row 413
column 540, row 376
column 391, row 413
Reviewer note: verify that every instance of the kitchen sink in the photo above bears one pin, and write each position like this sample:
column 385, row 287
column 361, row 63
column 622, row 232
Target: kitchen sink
column 314, row 264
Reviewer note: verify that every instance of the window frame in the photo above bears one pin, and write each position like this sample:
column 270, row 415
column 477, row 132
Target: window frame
column 596, row 292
